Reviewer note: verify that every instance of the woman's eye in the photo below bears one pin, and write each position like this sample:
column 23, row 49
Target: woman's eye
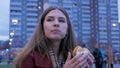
column 50, row 19
column 62, row 21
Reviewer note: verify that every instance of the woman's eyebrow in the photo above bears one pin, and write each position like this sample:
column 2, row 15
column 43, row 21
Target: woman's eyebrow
column 50, row 17
column 62, row 18
column 58, row 17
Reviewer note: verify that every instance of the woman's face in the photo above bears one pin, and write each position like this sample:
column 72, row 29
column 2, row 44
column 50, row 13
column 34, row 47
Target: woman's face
column 55, row 25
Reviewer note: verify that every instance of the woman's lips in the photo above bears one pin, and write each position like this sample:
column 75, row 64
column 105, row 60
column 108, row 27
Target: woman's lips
column 55, row 30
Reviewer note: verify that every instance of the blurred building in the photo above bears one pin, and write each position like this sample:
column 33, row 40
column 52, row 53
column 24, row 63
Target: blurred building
column 23, row 20
column 94, row 21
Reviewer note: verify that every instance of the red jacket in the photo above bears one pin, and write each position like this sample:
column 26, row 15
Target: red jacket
column 35, row 60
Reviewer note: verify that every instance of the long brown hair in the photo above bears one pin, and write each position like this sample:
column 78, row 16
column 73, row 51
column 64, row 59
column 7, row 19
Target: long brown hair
column 38, row 41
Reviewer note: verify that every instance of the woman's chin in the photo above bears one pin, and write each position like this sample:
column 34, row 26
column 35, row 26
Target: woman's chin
column 57, row 38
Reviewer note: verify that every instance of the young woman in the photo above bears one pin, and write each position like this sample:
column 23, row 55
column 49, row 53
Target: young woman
column 52, row 44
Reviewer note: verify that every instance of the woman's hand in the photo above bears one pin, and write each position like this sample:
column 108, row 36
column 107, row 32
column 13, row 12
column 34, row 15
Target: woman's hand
column 81, row 60
column 90, row 59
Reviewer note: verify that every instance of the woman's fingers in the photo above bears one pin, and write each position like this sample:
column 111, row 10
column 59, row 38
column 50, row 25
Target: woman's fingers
column 82, row 64
column 81, row 60
column 92, row 56
column 90, row 59
column 76, row 58
column 69, row 56
column 88, row 66
column 67, row 63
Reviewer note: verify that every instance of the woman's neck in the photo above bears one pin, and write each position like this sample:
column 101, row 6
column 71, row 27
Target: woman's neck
column 55, row 45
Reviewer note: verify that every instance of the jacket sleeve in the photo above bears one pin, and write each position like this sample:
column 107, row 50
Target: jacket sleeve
column 28, row 62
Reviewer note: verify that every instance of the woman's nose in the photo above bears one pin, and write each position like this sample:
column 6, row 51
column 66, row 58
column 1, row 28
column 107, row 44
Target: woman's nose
column 56, row 23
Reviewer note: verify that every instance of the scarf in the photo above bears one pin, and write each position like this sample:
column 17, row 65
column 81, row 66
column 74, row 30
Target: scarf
column 56, row 61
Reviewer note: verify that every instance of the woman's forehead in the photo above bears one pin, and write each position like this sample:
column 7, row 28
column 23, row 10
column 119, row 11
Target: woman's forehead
column 56, row 12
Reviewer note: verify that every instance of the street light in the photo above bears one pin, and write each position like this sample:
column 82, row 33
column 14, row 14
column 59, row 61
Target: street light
column 14, row 21
column 10, row 39
column 10, row 43
column 12, row 34
column 39, row 7
column 114, row 24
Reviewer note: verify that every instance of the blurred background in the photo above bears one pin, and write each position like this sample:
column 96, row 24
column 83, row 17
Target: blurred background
column 94, row 22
